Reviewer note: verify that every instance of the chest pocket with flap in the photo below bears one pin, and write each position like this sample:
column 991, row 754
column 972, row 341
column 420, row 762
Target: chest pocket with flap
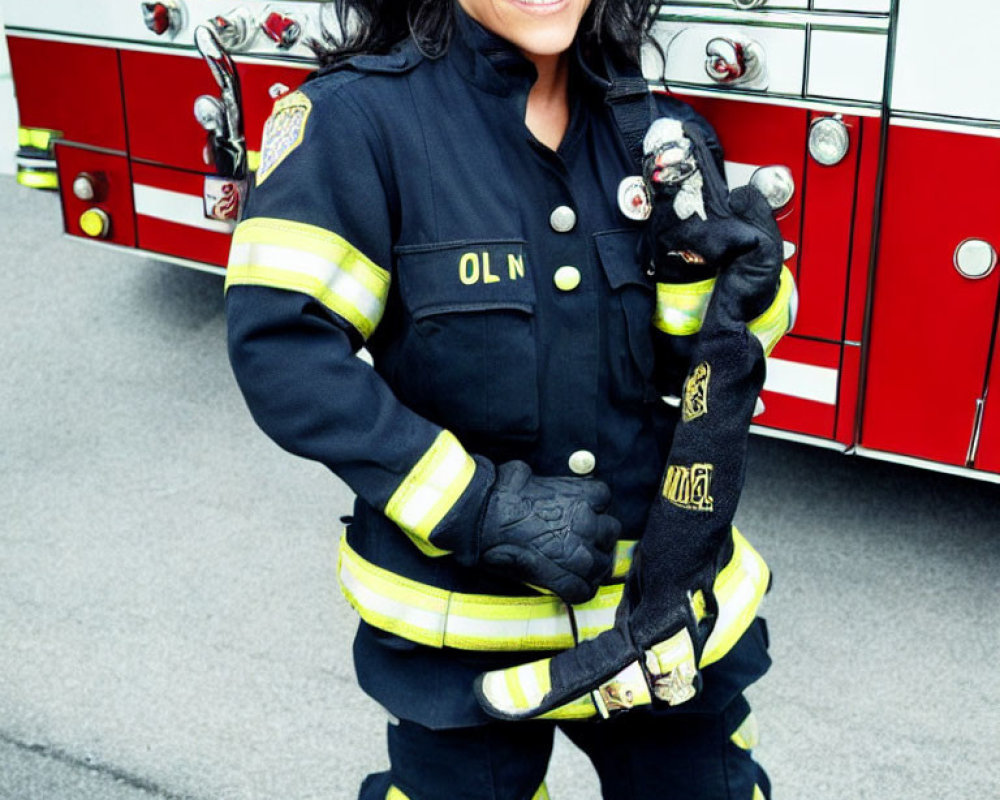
column 630, row 337
column 469, row 353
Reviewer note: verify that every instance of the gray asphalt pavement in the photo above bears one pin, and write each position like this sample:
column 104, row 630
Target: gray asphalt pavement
column 170, row 625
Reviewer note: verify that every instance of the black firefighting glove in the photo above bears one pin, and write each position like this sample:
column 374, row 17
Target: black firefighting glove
column 696, row 229
column 674, row 590
column 548, row 532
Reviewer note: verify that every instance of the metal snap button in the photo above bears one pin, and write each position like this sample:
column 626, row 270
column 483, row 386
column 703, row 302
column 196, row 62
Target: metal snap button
column 566, row 279
column 562, row 219
column 582, row 462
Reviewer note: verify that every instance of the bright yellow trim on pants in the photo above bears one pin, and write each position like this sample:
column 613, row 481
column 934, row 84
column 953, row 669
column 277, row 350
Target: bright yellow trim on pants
column 396, row 794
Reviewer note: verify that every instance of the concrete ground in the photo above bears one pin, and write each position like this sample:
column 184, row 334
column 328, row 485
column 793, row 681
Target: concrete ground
column 170, row 625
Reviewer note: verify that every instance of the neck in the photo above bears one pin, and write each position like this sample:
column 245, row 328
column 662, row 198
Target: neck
column 547, row 112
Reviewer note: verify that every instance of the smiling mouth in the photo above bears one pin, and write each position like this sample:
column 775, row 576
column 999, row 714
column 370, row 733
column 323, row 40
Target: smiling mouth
column 537, row 6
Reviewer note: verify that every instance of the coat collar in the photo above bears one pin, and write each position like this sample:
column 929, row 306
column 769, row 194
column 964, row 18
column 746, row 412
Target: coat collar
column 497, row 66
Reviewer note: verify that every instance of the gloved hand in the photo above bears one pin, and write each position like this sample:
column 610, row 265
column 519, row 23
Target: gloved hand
column 548, row 532
column 692, row 231
column 696, row 230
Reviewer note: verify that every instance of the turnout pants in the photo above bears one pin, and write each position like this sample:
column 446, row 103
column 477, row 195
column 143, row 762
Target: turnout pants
column 702, row 754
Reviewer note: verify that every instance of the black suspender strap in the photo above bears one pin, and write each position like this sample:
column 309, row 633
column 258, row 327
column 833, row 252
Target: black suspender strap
column 633, row 108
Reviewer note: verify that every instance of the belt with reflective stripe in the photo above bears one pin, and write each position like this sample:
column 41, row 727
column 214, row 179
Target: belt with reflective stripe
column 439, row 618
column 282, row 254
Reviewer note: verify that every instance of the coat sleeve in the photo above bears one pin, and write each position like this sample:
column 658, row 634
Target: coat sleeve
column 307, row 284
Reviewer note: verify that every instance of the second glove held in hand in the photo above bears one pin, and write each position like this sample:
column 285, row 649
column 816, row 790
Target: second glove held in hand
column 549, row 532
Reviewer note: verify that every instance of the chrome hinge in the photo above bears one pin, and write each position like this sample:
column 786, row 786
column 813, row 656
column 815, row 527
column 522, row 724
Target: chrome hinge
column 977, row 428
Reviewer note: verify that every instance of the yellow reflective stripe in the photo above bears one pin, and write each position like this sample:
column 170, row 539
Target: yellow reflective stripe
column 415, row 611
column 680, row 307
column 597, row 614
column 581, row 708
column 514, row 691
column 282, row 254
column 623, row 558
column 439, row 618
column 39, row 138
column 774, row 323
column 397, row 794
column 37, row 178
column 672, row 652
column 739, row 589
column 430, row 489
column 699, row 606
column 253, row 160
column 758, row 793
column 747, row 736
column 521, row 687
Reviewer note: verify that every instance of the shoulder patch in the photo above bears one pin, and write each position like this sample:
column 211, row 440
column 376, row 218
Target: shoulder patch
column 283, row 132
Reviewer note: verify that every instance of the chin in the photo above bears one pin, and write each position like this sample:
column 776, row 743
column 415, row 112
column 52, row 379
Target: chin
column 546, row 43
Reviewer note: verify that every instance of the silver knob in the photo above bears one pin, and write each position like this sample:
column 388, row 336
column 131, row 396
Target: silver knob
column 210, row 113
column 734, row 62
column 829, row 140
column 236, row 29
column 776, row 183
column 975, row 258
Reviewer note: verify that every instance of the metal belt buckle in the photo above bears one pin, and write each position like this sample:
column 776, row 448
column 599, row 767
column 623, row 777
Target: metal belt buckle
column 625, row 690
column 674, row 687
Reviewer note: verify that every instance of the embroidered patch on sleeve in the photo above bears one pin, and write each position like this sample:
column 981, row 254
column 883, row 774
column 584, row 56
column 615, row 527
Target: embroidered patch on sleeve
column 283, row 132
column 696, row 392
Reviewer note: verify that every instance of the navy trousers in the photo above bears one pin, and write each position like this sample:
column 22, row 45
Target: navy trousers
column 697, row 753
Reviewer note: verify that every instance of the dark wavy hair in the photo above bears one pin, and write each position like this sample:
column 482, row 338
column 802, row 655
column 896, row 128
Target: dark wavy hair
column 619, row 27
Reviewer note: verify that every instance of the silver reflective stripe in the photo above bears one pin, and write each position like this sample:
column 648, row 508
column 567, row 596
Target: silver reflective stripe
column 428, row 621
column 337, row 280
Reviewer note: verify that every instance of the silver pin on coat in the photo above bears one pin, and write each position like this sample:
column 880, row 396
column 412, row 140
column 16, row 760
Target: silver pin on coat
column 634, row 199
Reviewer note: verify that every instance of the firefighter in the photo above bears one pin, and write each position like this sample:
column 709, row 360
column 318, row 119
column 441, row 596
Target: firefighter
column 457, row 190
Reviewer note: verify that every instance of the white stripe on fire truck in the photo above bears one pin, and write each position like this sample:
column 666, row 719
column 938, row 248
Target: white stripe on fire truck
column 805, row 381
column 184, row 209
column 971, row 127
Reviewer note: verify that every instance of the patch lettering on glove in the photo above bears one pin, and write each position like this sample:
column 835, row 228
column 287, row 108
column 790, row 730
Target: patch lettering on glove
column 696, row 393
column 689, row 488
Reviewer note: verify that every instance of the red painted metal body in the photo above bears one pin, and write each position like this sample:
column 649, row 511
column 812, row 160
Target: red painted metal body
column 894, row 352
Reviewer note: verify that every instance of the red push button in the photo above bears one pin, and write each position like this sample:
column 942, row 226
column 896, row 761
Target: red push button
column 281, row 29
column 157, row 17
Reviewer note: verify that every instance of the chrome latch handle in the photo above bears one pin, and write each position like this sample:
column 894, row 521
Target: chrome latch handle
column 223, row 119
column 734, row 62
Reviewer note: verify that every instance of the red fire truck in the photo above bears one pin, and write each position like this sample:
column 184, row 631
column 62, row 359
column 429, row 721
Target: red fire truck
column 872, row 125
